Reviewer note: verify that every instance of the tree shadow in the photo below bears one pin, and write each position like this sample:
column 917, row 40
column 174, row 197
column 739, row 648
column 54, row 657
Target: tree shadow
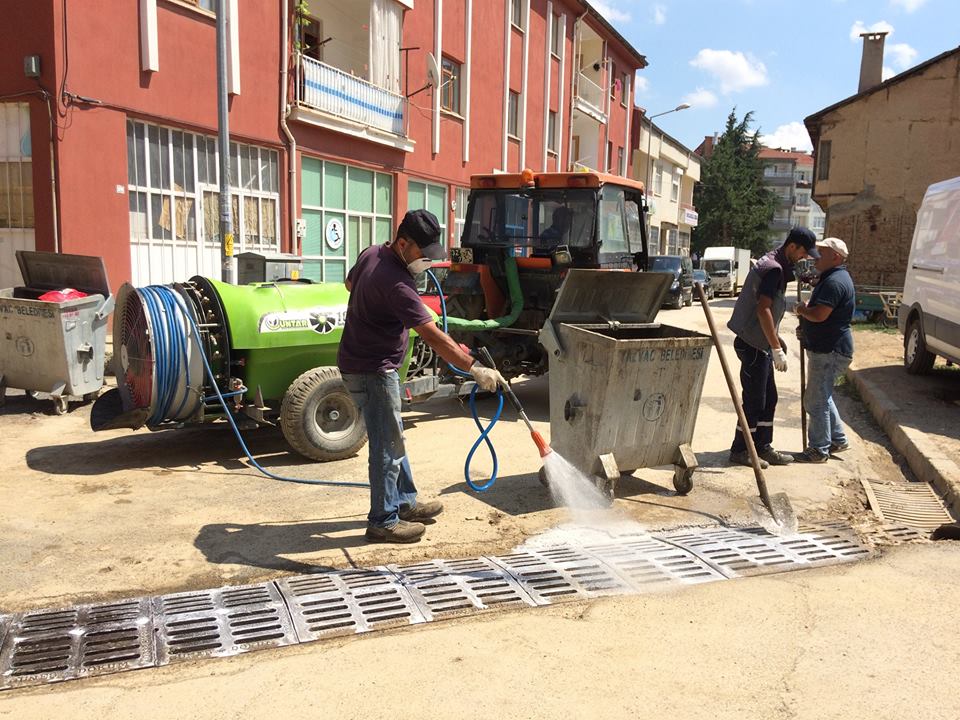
column 264, row 545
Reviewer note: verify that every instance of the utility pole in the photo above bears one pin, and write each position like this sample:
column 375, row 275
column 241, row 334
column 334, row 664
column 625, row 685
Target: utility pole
column 228, row 268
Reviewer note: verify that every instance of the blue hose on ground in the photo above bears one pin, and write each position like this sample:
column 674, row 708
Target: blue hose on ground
column 484, row 436
column 171, row 355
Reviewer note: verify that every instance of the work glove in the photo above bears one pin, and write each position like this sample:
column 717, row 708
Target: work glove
column 779, row 359
column 487, row 378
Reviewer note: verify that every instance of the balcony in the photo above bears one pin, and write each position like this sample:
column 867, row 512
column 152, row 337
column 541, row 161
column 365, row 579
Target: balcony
column 589, row 98
column 337, row 100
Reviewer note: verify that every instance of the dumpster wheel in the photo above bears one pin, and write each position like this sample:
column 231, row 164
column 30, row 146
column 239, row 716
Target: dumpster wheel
column 682, row 479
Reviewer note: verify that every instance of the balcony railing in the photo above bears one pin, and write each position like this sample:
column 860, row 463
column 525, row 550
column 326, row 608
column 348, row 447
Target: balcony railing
column 335, row 92
column 590, row 93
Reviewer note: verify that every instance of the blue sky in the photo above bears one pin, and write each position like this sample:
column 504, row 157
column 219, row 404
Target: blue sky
column 783, row 59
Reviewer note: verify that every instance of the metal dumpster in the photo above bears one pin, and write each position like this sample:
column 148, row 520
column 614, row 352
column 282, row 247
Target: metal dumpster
column 624, row 390
column 55, row 348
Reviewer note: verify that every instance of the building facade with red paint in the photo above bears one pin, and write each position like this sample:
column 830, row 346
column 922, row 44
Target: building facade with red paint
column 342, row 115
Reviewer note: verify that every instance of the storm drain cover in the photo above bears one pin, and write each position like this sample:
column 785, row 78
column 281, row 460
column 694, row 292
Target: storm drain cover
column 51, row 645
column 561, row 573
column 347, row 601
column 648, row 563
column 221, row 622
column 444, row 588
column 915, row 505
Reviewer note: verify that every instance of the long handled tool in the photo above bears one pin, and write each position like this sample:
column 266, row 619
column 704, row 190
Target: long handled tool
column 803, row 376
column 538, row 440
column 778, row 506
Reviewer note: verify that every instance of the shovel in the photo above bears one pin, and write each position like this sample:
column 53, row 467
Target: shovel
column 778, row 506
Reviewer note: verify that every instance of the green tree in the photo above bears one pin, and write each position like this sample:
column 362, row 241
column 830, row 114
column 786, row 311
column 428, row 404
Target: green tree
column 734, row 206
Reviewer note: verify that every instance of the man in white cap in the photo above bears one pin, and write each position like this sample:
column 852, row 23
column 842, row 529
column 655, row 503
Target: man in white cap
column 825, row 334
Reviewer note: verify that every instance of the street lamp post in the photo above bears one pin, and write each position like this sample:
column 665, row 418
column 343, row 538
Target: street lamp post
column 648, row 187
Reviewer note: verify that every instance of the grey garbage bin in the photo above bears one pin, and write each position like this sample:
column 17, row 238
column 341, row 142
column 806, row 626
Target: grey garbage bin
column 55, row 348
column 624, row 390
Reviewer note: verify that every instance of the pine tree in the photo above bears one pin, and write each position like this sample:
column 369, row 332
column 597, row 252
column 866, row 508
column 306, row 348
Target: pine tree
column 734, row 206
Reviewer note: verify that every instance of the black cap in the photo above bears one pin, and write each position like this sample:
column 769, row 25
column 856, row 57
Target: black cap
column 800, row 235
column 422, row 227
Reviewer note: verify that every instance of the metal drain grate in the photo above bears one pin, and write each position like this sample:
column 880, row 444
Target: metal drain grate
column 915, row 505
column 348, row 601
column 561, row 573
column 649, row 563
column 443, row 588
column 221, row 622
column 51, row 645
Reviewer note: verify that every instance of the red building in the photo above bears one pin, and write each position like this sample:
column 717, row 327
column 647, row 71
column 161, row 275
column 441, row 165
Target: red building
column 108, row 121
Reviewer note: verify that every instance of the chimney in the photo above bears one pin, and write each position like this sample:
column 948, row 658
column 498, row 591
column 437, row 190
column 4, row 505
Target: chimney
column 871, row 63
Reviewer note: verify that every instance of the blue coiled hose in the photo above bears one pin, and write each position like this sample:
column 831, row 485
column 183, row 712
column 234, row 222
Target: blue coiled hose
column 170, row 359
column 484, row 436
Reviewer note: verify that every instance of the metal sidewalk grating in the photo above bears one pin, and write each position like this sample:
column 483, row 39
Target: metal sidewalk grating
column 445, row 588
column 221, row 622
column 650, row 563
column 347, row 601
column 915, row 505
column 52, row 645
column 561, row 573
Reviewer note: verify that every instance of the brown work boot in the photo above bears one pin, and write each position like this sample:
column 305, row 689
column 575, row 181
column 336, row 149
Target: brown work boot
column 421, row 511
column 402, row 532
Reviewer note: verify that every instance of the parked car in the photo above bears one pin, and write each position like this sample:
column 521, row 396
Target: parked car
column 929, row 313
column 681, row 289
column 700, row 276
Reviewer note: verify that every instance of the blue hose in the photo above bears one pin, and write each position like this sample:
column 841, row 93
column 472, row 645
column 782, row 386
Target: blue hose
column 484, row 436
column 170, row 357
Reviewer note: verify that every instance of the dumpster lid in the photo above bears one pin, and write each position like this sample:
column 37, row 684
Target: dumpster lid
column 55, row 271
column 599, row 296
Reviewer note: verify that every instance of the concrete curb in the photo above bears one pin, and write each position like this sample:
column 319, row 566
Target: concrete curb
column 927, row 461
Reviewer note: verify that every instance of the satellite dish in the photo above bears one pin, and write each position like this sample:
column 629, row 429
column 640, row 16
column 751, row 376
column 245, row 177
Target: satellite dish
column 433, row 71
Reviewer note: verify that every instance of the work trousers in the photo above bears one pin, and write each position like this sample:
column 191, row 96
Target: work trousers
column 759, row 396
column 391, row 481
column 825, row 427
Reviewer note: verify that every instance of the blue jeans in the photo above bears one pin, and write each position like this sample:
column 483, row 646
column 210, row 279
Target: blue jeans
column 759, row 396
column 824, row 427
column 391, row 481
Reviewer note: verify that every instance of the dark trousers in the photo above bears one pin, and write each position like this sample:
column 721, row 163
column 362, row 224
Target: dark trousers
column 759, row 396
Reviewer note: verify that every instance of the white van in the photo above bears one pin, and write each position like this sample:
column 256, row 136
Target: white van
column 929, row 316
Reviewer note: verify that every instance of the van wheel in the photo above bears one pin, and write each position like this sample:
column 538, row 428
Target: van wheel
column 916, row 358
column 319, row 418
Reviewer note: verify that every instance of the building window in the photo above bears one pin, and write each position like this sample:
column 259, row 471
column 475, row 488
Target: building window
column 609, row 160
column 173, row 189
column 621, row 162
column 513, row 113
column 624, row 89
column 818, row 222
column 613, row 81
column 684, row 243
column 555, row 39
column 658, row 178
column 459, row 215
column 450, row 85
column 823, row 160
column 654, row 241
column 516, row 13
column 208, row 5
column 673, row 247
column 311, row 38
column 429, row 197
column 16, row 167
column 552, row 131
column 675, row 185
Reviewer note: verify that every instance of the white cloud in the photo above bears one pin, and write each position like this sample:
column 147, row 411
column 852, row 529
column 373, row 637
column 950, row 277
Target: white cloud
column 641, row 84
column 908, row 5
column 888, row 72
column 700, row 98
column 901, row 54
column 791, row 135
column 859, row 28
column 610, row 11
column 734, row 70
column 659, row 14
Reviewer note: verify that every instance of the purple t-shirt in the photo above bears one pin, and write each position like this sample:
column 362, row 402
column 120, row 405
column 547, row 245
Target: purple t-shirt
column 383, row 306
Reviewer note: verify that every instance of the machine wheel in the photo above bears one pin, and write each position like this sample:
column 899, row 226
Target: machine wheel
column 916, row 358
column 60, row 404
column 319, row 418
column 682, row 479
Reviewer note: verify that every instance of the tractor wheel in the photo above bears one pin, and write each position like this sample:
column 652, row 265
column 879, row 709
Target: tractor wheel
column 319, row 418
column 916, row 358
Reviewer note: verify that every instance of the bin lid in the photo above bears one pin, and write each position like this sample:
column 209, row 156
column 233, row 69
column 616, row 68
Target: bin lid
column 598, row 296
column 55, row 271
